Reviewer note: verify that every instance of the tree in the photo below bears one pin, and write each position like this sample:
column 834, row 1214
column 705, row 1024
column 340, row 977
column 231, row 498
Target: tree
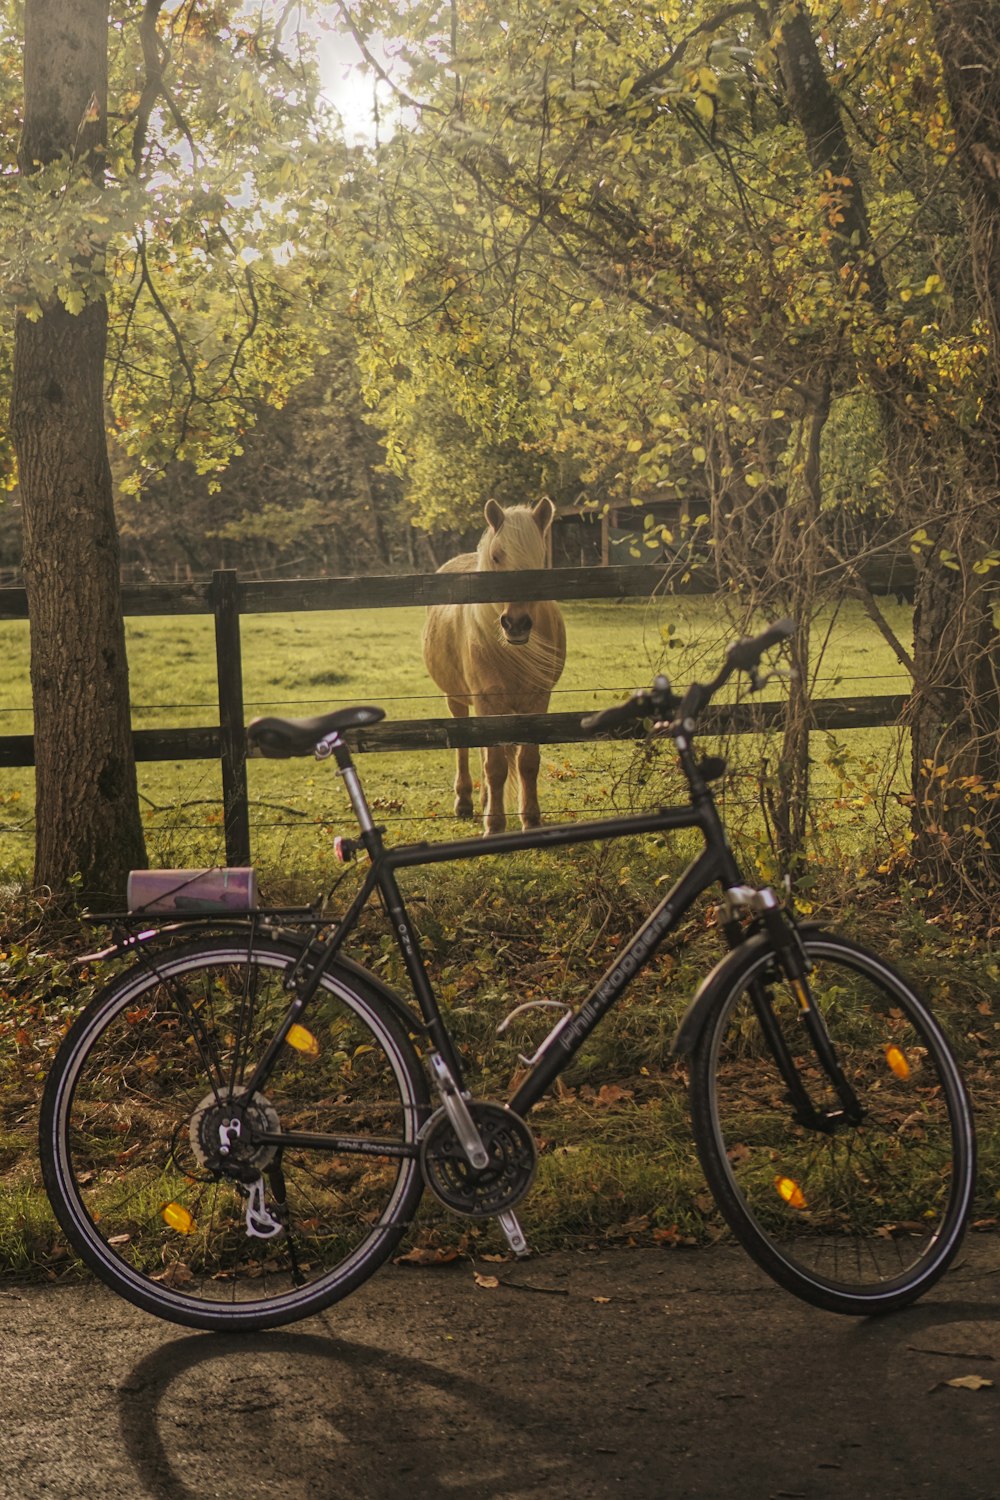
column 87, row 815
column 957, row 757
column 945, row 458
column 152, row 253
column 307, row 494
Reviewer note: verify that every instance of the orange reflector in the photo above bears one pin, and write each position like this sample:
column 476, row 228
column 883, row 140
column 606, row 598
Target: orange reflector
column 178, row 1218
column 790, row 1191
column 302, row 1040
column 897, row 1061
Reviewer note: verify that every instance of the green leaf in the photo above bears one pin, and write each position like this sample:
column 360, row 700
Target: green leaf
column 73, row 299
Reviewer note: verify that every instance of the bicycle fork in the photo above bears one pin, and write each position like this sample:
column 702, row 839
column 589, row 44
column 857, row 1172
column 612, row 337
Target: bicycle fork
column 794, row 966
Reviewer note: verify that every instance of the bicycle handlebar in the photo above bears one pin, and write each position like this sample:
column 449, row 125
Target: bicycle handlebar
column 618, row 715
column 660, row 701
column 745, row 654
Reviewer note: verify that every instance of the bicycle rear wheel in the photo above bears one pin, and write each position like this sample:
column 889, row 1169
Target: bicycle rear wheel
column 151, row 1145
column 858, row 1218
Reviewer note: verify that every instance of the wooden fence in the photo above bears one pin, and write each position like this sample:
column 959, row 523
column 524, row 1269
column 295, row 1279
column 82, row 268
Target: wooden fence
column 228, row 599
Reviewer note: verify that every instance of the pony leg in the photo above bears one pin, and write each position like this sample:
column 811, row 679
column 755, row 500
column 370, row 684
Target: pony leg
column 463, row 785
column 494, row 781
column 528, row 760
column 459, row 709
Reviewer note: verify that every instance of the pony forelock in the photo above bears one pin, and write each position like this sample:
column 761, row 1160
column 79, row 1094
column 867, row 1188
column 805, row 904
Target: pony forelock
column 522, row 543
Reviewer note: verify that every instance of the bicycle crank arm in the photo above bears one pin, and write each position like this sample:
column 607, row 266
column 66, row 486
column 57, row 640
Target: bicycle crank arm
column 457, row 1111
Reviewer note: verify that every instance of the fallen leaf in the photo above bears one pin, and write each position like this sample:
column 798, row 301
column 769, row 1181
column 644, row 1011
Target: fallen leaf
column 176, row 1274
column 607, row 1096
column 600, row 1299
column 969, row 1382
column 673, row 1236
column 636, row 1226
column 487, row 1281
column 427, row 1255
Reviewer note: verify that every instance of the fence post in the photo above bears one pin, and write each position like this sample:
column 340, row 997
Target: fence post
column 232, row 730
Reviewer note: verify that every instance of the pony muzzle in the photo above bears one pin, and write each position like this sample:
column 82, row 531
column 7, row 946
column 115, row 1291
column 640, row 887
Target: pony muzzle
column 516, row 627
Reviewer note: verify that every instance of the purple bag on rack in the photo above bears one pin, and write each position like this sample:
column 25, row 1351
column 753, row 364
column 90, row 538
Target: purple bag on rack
column 192, row 892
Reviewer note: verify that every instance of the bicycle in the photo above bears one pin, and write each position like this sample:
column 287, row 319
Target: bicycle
column 221, row 1163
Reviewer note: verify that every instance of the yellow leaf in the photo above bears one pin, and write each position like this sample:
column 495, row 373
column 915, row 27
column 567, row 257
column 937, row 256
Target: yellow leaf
column 486, row 1281
column 970, row 1382
column 705, row 106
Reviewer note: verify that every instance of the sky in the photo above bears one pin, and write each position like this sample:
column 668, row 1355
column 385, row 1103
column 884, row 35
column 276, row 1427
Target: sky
column 350, row 85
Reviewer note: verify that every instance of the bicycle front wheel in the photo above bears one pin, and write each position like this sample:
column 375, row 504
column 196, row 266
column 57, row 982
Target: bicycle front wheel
column 856, row 1217
column 203, row 1203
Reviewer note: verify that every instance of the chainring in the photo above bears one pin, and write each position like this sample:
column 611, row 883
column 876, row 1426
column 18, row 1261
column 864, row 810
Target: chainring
column 479, row 1192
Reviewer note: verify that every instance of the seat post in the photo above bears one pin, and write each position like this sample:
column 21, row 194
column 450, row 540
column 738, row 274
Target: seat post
column 333, row 745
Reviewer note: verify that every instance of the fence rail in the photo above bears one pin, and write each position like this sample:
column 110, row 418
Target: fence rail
column 228, row 599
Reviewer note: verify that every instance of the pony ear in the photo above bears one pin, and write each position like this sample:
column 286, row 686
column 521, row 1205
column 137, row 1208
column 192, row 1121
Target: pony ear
column 544, row 513
column 494, row 514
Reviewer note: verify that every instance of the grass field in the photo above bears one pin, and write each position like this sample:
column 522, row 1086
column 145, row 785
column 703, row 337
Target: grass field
column 301, row 664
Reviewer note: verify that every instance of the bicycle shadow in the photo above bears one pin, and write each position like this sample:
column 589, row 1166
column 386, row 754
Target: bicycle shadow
column 322, row 1417
column 507, row 1409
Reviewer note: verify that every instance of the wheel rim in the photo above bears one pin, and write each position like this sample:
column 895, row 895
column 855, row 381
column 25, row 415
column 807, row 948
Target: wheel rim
column 861, row 1210
column 158, row 1087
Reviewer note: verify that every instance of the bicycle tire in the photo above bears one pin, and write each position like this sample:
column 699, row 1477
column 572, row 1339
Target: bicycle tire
column 864, row 1218
column 150, row 1075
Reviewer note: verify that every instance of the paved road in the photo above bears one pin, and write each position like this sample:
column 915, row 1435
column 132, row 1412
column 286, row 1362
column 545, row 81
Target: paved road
column 643, row 1374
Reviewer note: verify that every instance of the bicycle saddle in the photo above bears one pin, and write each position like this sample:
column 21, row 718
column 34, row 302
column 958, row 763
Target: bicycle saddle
column 278, row 738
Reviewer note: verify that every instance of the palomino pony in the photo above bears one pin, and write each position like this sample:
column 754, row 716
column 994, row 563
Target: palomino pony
column 499, row 658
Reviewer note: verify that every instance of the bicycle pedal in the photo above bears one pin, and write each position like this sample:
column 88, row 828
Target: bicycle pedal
column 514, row 1235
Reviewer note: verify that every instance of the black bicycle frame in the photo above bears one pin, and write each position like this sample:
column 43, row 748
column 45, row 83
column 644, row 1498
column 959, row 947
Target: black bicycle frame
column 715, row 863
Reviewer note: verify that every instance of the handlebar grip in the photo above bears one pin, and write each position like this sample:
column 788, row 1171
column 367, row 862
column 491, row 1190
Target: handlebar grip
column 615, row 717
column 745, row 654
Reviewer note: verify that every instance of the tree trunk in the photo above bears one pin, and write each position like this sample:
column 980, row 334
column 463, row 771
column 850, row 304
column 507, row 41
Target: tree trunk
column 87, row 813
column 956, row 725
column 968, row 40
